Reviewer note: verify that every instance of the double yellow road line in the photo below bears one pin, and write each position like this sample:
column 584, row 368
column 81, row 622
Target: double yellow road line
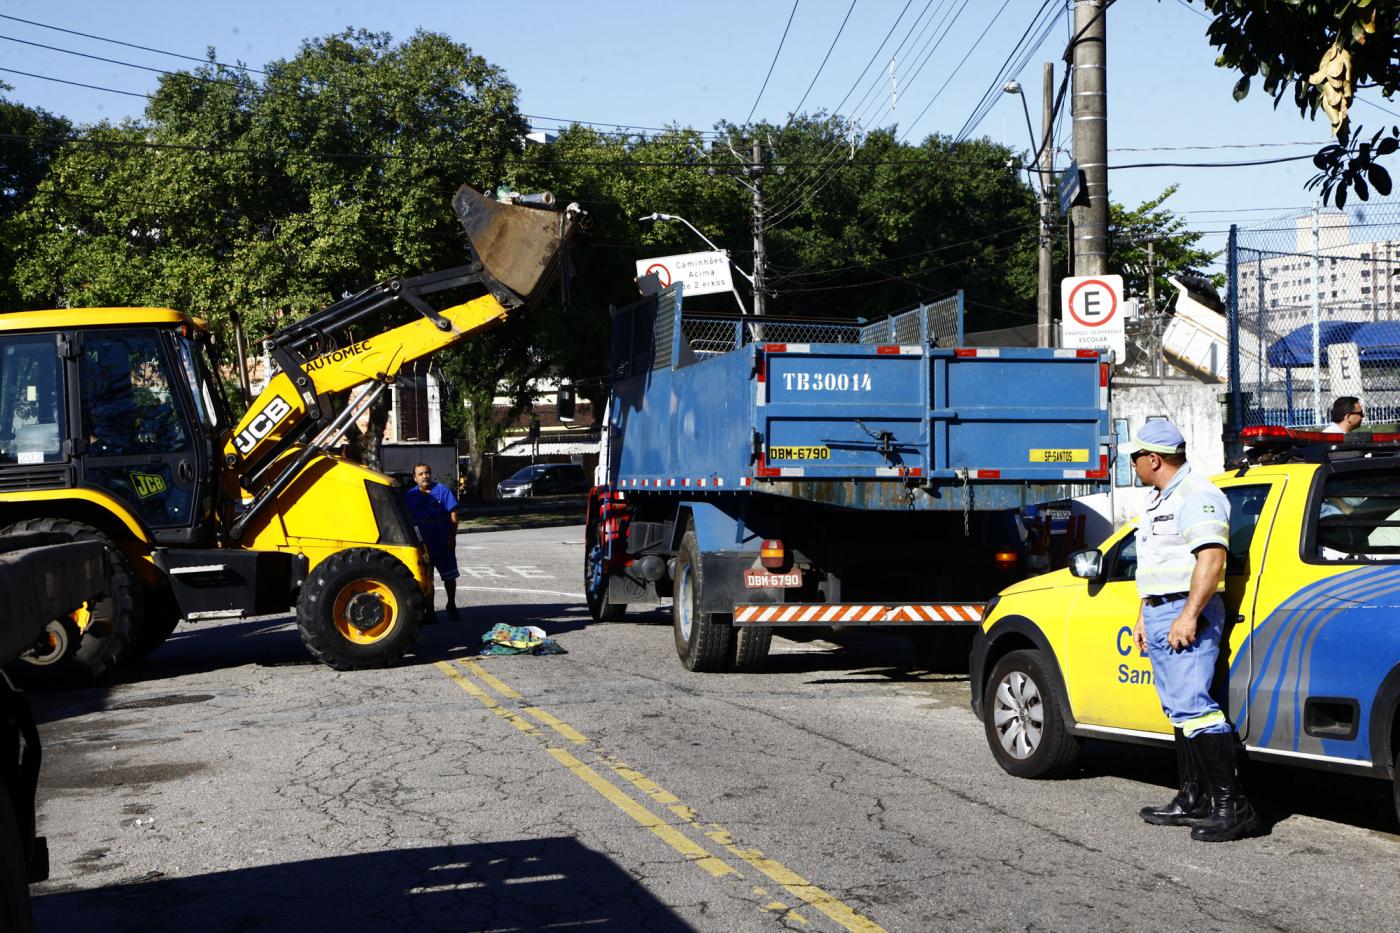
column 676, row 824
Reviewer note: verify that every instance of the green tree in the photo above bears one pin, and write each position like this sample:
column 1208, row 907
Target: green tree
column 28, row 140
column 1174, row 249
column 273, row 198
column 1321, row 51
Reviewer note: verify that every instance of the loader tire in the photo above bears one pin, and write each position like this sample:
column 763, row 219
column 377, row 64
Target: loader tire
column 15, row 913
column 114, row 622
column 359, row 609
column 161, row 617
column 703, row 639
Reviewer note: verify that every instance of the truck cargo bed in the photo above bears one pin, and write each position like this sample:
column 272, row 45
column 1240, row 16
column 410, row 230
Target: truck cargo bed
column 833, row 413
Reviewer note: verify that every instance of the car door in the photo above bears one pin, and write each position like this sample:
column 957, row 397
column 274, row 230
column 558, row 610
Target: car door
column 1110, row 681
column 137, row 435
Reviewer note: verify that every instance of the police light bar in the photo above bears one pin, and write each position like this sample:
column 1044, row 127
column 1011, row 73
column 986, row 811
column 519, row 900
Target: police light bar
column 1269, row 434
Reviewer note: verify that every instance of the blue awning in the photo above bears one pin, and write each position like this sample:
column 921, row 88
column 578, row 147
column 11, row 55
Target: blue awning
column 1378, row 342
column 1296, row 348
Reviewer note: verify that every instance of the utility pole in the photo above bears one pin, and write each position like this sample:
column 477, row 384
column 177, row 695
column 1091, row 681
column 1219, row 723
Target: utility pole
column 760, row 256
column 1045, row 304
column 1089, row 110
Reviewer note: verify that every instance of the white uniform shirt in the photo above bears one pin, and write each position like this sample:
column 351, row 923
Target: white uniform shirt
column 1178, row 521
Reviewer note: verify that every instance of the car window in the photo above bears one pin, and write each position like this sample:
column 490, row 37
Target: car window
column 1246, row 505
column 1358, row 516
column 1124, row 559
column 32, row 423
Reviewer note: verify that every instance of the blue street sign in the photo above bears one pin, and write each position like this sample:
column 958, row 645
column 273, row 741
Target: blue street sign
column 1069, row 187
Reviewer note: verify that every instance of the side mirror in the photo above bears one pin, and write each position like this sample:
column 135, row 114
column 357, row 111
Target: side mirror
column 564, row 403
column 1086, row 564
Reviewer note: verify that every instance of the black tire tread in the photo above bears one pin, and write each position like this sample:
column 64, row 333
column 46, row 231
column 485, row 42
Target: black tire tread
column 751, row 644
column 15, row 912
column 708, row 650
column 98, row 657
column 318, row 631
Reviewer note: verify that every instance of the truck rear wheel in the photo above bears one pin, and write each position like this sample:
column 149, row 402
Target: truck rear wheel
column 108, row 627
column 703, row 639
column 751, row 644
column 1024, row 723
column 359, row 609
column 595, row 588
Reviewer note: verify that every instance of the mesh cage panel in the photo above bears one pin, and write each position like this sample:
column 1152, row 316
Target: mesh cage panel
column 1344, row 265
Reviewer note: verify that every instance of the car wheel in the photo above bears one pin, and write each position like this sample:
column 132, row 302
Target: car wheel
column 1025, row 726
column 1395, row 784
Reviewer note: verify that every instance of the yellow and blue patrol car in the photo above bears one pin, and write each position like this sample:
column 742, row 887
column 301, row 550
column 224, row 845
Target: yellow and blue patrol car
column 1310, row 665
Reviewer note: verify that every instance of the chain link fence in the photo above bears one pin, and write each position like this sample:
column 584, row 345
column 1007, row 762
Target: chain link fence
column 1318, row 299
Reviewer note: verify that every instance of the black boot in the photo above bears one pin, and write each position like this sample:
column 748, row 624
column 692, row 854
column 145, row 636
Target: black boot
column 1231, row 816
column 1191, row 803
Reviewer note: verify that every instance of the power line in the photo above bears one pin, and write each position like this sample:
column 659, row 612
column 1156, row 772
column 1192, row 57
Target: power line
column 989, row 97
column 132, row 45
column 774, row 62
column 830, row 49
column 91, row 87
column 956, row 68
column 1293, row 158
column 878, row 50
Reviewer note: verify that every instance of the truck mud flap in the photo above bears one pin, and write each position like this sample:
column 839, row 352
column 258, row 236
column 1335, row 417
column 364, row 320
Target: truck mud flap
column 943, row 615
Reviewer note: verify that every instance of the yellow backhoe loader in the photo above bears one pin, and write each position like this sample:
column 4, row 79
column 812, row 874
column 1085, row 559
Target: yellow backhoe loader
column 113, row 429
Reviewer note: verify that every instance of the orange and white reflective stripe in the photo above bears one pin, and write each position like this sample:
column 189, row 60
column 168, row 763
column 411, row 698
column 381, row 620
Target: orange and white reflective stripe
column 841, row 613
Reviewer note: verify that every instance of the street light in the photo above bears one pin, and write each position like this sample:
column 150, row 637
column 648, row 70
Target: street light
column 654, row 216
column 1044, row 153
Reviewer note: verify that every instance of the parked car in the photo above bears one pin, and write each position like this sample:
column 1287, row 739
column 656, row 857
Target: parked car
column 543, row 479
column 1311, row 656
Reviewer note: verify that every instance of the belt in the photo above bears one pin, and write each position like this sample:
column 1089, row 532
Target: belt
column 1164, row 598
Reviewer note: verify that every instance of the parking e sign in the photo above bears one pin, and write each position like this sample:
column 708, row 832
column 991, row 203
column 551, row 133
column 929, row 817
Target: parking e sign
column 1091, row 313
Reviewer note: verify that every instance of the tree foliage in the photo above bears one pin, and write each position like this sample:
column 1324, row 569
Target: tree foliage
column 1322, row 52
column 1174, row 250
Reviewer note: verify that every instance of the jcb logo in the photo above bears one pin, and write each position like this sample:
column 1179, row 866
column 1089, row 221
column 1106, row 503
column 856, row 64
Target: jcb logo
column 262, row 424
column 146, row 485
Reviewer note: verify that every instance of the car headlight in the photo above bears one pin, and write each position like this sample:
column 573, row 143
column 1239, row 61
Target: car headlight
column 990, row 607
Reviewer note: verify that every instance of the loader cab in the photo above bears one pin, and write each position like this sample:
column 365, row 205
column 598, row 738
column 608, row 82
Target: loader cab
column 129, row 408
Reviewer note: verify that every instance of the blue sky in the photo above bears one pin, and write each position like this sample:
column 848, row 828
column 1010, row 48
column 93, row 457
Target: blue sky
column 647, row 64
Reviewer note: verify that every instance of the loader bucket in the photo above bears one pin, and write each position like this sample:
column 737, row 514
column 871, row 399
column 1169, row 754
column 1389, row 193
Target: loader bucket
column 520, row 247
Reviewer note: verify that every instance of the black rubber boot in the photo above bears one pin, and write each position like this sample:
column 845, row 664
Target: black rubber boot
column 1191, row 804
column 1231, row 816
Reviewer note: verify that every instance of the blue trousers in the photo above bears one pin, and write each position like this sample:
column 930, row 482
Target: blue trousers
column 1183, row 678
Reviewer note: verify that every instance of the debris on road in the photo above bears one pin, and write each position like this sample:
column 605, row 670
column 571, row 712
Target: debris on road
column 519, row 639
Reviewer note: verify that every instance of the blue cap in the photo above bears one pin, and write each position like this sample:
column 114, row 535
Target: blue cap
column 1159, row 437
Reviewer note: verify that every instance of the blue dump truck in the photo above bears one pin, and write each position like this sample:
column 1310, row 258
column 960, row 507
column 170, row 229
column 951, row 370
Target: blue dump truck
column 766, row 472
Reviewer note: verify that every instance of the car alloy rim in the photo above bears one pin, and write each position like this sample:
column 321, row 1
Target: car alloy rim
column 683, row 606
column 1018, row 713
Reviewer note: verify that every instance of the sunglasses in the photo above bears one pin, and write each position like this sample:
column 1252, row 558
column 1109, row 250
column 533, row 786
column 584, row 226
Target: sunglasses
column 1359, row 414
column 1140, row 453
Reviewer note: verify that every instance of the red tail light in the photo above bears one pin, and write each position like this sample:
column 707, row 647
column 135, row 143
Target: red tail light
column 771, row 554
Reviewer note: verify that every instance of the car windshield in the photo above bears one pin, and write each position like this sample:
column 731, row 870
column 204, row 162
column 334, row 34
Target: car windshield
column 527, row 473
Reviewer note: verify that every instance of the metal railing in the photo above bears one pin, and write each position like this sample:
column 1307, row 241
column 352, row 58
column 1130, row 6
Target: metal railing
column 1317, row 315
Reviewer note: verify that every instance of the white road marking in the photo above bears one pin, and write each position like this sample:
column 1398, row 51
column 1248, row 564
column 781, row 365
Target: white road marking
column 511, row 589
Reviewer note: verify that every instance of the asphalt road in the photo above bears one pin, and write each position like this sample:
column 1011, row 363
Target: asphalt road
column 231, row 784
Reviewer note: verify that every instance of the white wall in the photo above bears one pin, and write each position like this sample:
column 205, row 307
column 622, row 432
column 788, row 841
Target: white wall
column 1193, row 408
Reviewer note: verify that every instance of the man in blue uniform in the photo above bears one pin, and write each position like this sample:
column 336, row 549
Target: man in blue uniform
column 1181, row 546
column 434, row 510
